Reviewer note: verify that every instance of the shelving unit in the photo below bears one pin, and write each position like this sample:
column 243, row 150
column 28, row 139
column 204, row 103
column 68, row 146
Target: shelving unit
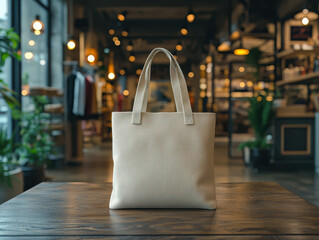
column 303, row 79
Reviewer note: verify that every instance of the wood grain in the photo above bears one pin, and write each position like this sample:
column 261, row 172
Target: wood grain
column 80, row 211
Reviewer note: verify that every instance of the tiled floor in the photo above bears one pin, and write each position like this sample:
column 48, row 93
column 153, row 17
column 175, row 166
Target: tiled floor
column 97, row 167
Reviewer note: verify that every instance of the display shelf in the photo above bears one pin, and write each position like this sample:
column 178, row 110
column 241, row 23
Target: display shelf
column 223, row 95
column 307, row 78
column 291, row 53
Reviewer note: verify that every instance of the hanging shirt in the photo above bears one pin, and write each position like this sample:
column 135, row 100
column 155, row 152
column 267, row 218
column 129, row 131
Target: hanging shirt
column 79, row 95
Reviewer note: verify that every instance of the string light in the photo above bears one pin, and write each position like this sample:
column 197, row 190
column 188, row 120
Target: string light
column 28, row 55
column 31, row 43
column 138, row 71
column 132, row 58
column 190, row 74
column 179, row 46
column 190, row 16
column 111, row 31
column 126, row 93
column 184, row 31
column 122, row 16
column 122, row 72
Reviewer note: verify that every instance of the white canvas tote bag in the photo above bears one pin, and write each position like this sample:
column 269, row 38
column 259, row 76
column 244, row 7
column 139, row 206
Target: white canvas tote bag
column 163, row 160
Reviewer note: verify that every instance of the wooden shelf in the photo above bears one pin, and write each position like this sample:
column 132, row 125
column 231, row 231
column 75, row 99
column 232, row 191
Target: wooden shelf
column 291, row 53
column 308, row 78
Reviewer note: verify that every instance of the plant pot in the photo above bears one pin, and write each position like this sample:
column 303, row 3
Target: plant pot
column 7, row 192
column 246, row 156
column 33, row 176
column 259, row 158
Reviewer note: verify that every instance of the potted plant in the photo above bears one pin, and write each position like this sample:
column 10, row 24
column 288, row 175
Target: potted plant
column 260, row 115
column 11, row 180
column 36, row 144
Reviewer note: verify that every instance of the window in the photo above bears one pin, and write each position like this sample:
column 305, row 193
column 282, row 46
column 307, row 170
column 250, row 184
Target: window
column 6, row 74
column 34, row 49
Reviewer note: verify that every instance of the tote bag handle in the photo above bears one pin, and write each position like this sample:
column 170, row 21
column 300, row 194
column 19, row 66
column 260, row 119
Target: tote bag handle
column 178, row 85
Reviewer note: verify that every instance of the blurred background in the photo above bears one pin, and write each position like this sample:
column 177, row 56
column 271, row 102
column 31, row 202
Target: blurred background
column 254, row 63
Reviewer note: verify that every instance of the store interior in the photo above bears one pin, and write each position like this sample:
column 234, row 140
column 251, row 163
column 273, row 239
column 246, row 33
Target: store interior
column 71, row 63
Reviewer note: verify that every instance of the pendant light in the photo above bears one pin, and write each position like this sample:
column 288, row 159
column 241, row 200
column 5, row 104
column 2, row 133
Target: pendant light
column 306, row 16
column 179, row 46
column 132, row 57
column 111, row 69
column 122, row 16
column 190, row 16
column 184, row 30
column 240, row 51
column 37, row 26
column 71, row 43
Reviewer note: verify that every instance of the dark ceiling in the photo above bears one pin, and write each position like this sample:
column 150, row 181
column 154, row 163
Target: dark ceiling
column 157, row 23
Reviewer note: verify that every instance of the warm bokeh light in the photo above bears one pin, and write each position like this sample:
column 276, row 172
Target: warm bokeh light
column 190, row 16
column 305, row 21
column 202, row 94
column 190, row 74
column 203, row 86
column 241, row 69
column 184, row 31
column 241, row 51
column 269, row 98
column 131, row 58
column 28, row 55
column 71, row 44
column 242, row 84
column 126, row 93
column 122, row 71
column 202, row 67
column 139, row 71
column 37, row 26
column 111, row 31
column 117, row 43
column 91, row 58
column 111, row 76
column 31, row 43
column 249, row 84
column 121, row 16
column 124, row 33
column 179, row 46
column 115, row 39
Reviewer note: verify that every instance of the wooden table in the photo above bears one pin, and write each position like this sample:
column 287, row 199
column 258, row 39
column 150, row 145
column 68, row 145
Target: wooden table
column 80, row 211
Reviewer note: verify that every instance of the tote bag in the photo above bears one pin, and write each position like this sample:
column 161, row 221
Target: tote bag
column 163, row 160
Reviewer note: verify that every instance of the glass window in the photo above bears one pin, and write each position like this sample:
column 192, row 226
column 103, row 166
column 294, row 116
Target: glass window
column 34, row 48
column 5, row 75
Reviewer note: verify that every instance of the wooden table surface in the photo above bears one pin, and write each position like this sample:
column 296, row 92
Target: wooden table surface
column 80, row 211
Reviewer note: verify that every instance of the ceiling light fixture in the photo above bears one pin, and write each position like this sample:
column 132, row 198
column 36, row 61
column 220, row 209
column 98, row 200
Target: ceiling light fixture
column 306, row 16
column 190, row 16
column 37, row 26
column 71, row 44
column 240, row 51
